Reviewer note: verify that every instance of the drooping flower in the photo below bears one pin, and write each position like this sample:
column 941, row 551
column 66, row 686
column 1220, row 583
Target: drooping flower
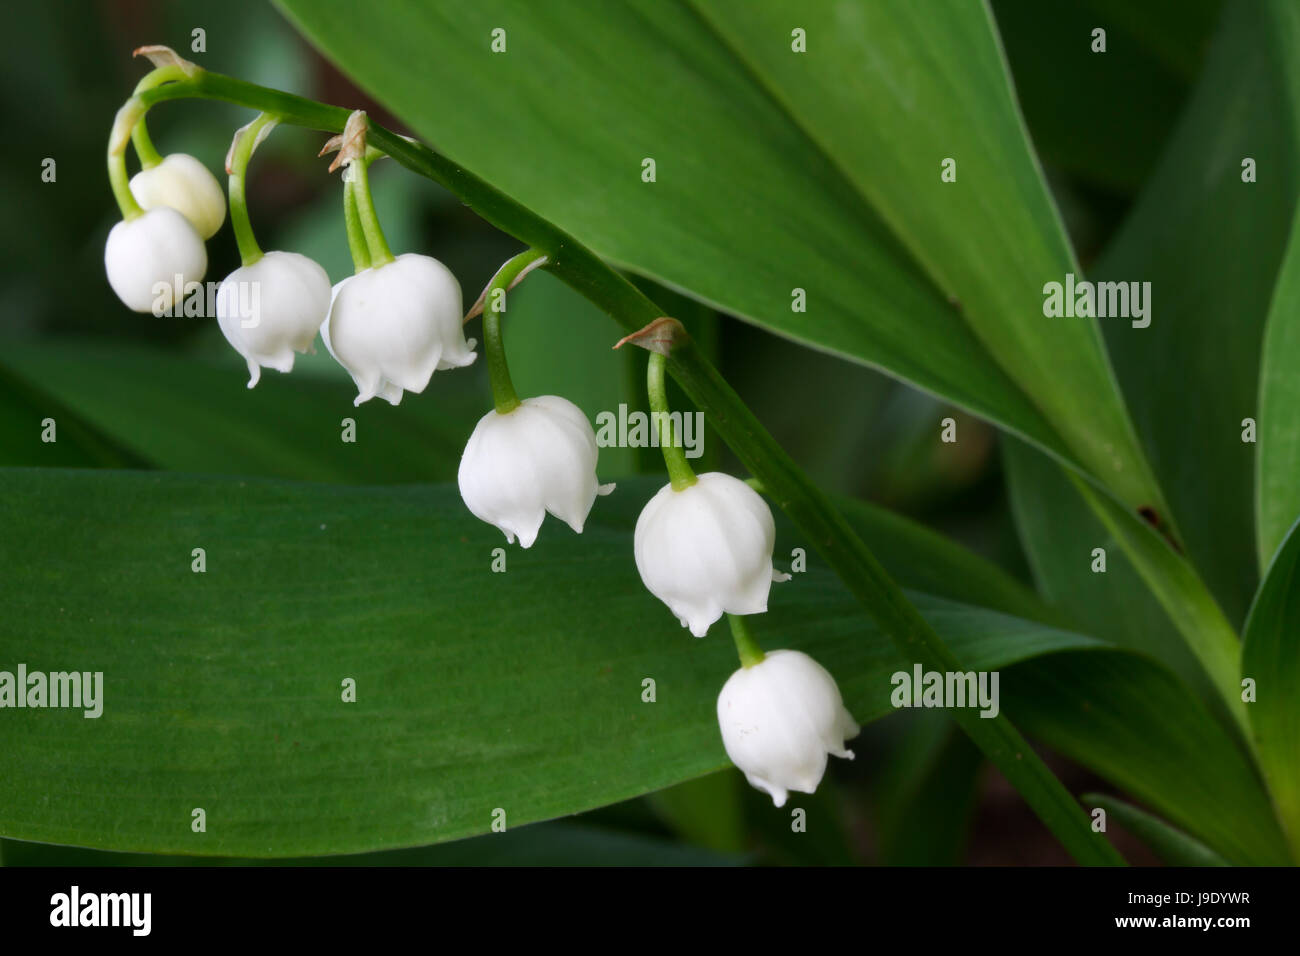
column 183, row 183
column 272, row 308
column 393, row 325
column 707, row 549
column 537, row 458
column 143, row 256
column 780, row 719
column 389, row 392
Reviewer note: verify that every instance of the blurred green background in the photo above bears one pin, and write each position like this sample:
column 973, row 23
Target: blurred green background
column 918, row 793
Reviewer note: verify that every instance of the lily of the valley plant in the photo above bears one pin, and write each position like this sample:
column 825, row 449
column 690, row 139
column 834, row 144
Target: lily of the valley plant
column 703, row 545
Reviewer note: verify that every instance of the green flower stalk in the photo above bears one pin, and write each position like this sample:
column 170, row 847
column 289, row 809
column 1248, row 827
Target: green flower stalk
column 398, row 319
column 704, row 543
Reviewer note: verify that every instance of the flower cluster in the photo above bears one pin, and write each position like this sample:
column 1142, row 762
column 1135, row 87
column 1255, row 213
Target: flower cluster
column 703, row 544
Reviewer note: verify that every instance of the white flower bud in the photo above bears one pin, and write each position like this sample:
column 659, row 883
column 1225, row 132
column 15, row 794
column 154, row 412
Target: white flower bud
column 540, row 457
column 183, row 183
column 393, row 325
column 144, row 255
column 779, row 720
column 273, row 308
column 707, row 549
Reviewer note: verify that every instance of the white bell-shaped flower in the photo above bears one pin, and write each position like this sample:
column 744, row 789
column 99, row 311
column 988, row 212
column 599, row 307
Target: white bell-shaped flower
column 144, row 256
column 707, row 549
column 537, row 458
column 183, row 183
column 389, row 392
column 392, row 325
column 273, row 308
column 780, row 719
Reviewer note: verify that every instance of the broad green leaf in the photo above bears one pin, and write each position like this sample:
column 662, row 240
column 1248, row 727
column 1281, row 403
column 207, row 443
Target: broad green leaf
column 25, row 411
column 926, row 561
column 1277, row 474
column 1061, row 533
column 1272, row 660
column 890, row 90
column 475, row 690
column 147, row 401
column 878, row 244
column 1129, row 720
column 197, row 415
column 1063, row 523
column 557, row 843
column 1210, row 245
column 440, row 726
column 1169, row 843
column 1190, row 607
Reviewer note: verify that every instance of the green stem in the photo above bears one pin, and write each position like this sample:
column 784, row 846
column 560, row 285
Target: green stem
column 757, row 450
column 159, row 76
column 249, row 250
column 123, row 124
column 748, row 649
column 121, row 185
column 679, row 470
column 129, row 124
column 494, row 305
column 144, row 148
column 356, row 237
column 380, row 254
